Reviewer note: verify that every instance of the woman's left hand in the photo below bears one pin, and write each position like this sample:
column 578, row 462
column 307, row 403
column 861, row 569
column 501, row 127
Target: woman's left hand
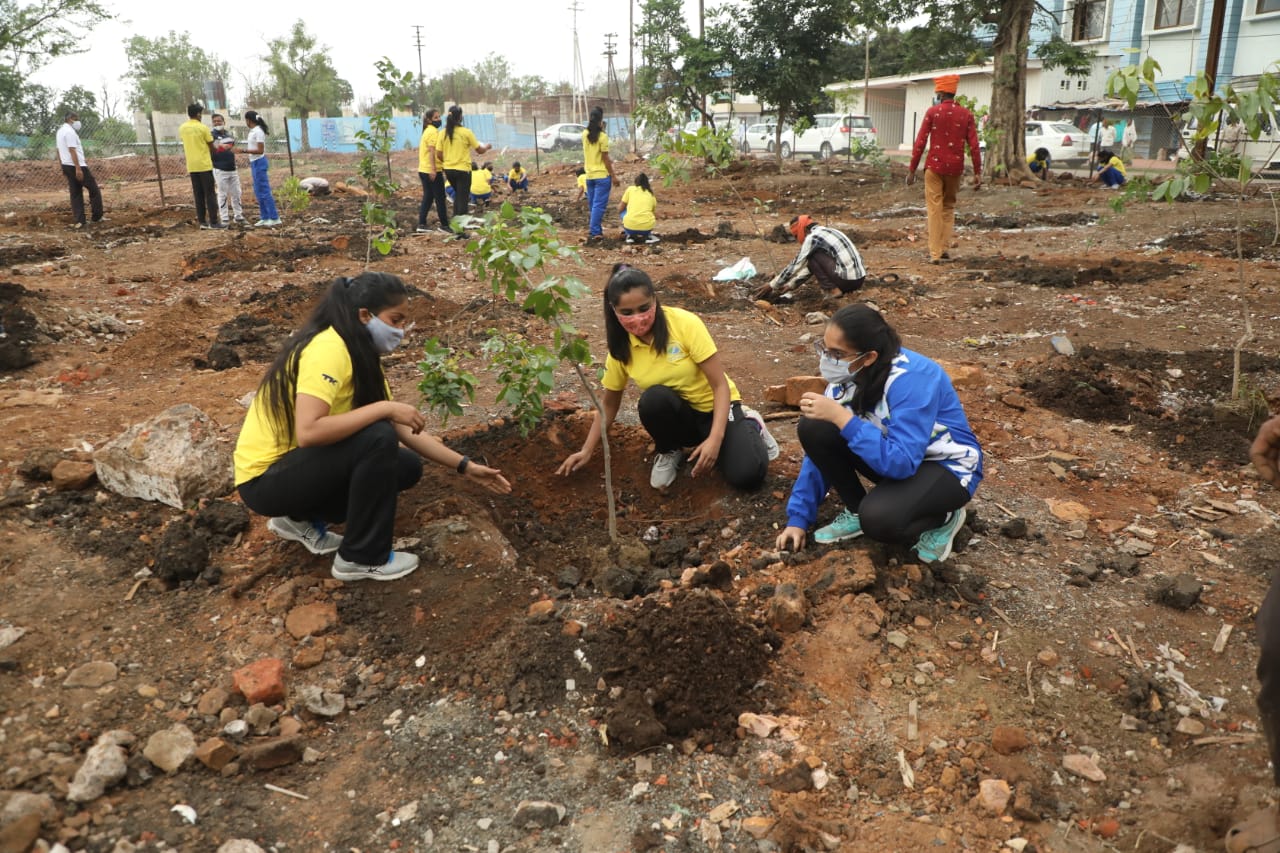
column 823, row 408
column 704, row 456
column 490, row 478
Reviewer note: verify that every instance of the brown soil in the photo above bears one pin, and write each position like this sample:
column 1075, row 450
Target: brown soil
column 624, row 707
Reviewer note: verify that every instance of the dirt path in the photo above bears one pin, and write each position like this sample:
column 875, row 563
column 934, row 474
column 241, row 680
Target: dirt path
column 910, row 702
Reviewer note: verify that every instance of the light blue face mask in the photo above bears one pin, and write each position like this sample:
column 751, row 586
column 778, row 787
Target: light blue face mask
column 836, row 372
column 385, row 336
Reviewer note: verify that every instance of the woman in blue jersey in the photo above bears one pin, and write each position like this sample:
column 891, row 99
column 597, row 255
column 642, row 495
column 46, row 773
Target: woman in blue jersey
column 891, row 416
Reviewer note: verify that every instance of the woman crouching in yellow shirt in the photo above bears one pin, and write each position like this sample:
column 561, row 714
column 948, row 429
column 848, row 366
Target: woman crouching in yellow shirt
column 687, row 399
column 323, row 441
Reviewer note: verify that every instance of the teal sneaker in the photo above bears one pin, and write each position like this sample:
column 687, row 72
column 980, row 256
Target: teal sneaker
column 935, row 545
column 846, row 525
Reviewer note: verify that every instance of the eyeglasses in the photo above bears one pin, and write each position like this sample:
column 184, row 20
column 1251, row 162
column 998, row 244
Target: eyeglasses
column 834, row 354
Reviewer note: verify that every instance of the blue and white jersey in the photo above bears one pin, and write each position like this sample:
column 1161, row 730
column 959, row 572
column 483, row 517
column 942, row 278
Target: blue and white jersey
column 919, row 419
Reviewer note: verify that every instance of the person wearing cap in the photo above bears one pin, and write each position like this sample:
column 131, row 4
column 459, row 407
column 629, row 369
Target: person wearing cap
column 946, row 129
column 826, row 254
column 76, row 170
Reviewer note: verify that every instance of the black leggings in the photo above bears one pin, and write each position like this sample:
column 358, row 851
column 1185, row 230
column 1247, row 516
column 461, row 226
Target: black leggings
column 673, row 423
column 1269, row 671
column 894, row 511
column 823, row 267
column 433, row 191
column 354, row 481
column 460, row 180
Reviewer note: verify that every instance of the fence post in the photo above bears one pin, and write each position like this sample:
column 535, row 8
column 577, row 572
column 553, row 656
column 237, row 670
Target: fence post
column 288, row 145
column 155, row 157
column 537, row 162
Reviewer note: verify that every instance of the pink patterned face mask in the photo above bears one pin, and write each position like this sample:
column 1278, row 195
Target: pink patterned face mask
column 638, row 324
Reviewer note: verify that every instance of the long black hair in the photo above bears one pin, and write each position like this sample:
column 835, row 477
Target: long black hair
column 864, row 328
column 642, row 181
column 454, row 120
column 252, row 115
column 340, row 311
column 595, row 124
column 623, row 279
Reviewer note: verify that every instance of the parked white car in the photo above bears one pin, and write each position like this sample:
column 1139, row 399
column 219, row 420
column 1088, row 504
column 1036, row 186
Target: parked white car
column 760, row 137
column 829, row 135
column 558, row 136
column 1068, row 146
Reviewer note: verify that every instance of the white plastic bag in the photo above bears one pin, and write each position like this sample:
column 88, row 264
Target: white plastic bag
column 741, row 271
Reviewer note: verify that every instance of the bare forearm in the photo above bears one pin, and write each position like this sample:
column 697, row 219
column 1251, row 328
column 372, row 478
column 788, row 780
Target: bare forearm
column 331, row 429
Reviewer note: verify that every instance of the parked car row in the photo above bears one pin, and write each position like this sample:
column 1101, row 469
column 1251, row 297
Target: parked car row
column 831, row 134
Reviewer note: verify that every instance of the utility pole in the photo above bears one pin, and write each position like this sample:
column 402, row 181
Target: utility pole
column 702, row 20
column 422, row 92
column 1212, row 52
column 579, row 82
column 631, row 66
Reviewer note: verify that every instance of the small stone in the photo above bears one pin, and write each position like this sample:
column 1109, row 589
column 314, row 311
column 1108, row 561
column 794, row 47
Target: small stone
column 1007, row 740
column 815, row 318
column 261, row 681
column 568, row 577
column 792, row 780
column 1134, row 546
column 1047, row 657
column 236, row 729
column 1190, row 726
column 323, row 703
column 308, row 655
column 1084, row 767
column 290, row 726
column 897, row 639
column 22, row 803
column 617, row 582
column 1014, row 528
column 260, row 718
column 93, row 674
column 758, row 826
column 215, row 753
column 272, row 753
column 1106, row 828
column 759, row 725
column 21, row 835
column 948, row 778
column 1130, row 723
column 787, row 609
column 1069, row 511
column 1062, row 346
column 71, row 476
column 170, row 748
column 240, row 845
column 538, row 813
column 311, row 619
column 105, row 764
column 147, row 691
column 993, row 795
column 311, row 756
column 212, row 701
column 541, row 610
column 1180, row 593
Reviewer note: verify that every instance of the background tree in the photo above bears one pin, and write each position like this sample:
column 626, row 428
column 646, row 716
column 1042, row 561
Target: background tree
column 675, row 65
column 781, row 50
column 169, row 72
column 83, row 103
column 303, row 78
column 493, row 75
column 896, row 52
column 32, row 34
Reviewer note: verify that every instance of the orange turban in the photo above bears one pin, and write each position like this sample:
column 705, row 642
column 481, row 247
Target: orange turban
column 946, row 83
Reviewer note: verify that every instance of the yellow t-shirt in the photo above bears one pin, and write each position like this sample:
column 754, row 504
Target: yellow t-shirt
column 429, row 139
column 1115, row 163
column 593, row 155
column 324, row 372
column 195, row 138
column 480, row 182
column 456, row 153
column 582, row 182
column 516, row 175
column 640, row 206
column 688, row 345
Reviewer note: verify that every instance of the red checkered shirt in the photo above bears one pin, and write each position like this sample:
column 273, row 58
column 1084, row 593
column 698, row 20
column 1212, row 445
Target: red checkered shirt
column 947, row 127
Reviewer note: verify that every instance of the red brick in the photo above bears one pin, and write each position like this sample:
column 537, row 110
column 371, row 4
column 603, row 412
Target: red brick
column 262, row 681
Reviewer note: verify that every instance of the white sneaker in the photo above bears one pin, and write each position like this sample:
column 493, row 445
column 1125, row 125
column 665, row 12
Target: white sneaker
column 653, row 238
column 397, row 566
column 262, row 223
column 665, row 468
column 313, row 536
column 770, row 443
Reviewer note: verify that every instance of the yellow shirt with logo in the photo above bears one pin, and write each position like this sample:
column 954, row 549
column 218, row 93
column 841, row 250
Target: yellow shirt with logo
column 516, row 175
column 481, row 182
column 324, row 372
column 430, row 138
column 640, row 205
column 456, row 153
column 688, row 345
column 196, row 138
column 593, row 155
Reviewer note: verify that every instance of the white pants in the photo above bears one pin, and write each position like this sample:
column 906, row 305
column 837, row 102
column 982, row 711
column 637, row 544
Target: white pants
column 228, row 184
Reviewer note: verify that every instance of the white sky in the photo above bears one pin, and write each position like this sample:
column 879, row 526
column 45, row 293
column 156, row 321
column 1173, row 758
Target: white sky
column 535, row 37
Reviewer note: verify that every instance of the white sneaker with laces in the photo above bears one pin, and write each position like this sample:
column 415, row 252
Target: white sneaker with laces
column 397, row 565
column 313, row 535
column 665, row 468
column 770, row 443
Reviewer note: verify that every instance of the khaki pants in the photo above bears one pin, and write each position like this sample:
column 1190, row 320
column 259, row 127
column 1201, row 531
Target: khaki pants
column 940, row 204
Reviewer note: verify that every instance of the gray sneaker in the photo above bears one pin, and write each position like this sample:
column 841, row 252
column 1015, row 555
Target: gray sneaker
column 770, row 443
column 313, row 535
column 397, row 565
column 665, row 468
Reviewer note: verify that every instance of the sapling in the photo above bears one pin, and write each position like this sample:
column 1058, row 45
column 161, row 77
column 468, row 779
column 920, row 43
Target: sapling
column 375, row 143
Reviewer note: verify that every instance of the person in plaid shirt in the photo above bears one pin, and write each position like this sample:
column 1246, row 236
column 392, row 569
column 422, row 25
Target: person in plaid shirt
column 826, row 254
column 947, row 128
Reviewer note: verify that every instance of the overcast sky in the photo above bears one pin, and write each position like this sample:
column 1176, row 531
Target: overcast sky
column 536, row 38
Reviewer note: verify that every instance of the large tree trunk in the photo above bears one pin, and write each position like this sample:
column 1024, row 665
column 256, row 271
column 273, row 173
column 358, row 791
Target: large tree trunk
column 1009, row 90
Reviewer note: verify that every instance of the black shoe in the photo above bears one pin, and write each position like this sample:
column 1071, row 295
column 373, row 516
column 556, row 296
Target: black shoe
column 218, row 227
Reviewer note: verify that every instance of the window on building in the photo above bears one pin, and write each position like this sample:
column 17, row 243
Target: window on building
column 1268, row 6
column 1088, row 18
column 1177, row 13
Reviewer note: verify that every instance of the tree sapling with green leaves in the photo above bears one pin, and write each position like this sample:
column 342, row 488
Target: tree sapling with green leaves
column 375, row 144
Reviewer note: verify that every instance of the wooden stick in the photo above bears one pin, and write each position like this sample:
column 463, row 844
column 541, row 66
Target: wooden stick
column 251, row 581
column 1031, row 694
column 285, row 791
column 1006, row 510
column 913, row 720
column 997, row 611
column 781, row 416
column 1221, row 642
column 133, row 589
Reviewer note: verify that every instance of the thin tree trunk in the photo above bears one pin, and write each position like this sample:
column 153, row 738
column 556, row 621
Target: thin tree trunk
column 306, row 143
column 1009, row 90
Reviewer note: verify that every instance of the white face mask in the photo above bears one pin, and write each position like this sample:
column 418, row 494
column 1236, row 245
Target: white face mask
column 836, row 372
column 75, row 125
column 386, row 337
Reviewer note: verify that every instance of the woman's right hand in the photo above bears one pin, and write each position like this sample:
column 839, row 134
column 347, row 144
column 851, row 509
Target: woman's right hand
column 574, row 462
column 791, row 539
column 405, row 415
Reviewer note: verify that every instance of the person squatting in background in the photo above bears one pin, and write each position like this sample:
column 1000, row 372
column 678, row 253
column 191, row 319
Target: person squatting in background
column 638, row 211
column 1039, row 163
column 323, row 442
column 481, row 183
column 1110, row 172
column 826, row 254
column 892, row 416
column 518, row 178
column 686, row 400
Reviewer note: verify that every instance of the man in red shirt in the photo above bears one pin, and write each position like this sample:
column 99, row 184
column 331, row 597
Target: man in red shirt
column 947, row 127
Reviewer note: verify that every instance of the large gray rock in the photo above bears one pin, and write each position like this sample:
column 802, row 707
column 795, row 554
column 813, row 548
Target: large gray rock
column 105, row 764
column 174, row 458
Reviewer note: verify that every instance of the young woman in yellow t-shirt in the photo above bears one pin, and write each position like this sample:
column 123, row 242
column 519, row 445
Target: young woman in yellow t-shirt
column 455, row 145
column 324, row 443
column 687, row 399
column 637, row 211
column 600, row 176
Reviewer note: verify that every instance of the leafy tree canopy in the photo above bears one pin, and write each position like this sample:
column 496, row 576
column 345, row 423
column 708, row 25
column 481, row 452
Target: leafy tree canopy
column 32, row 34
column 302, row 77
column 169, row 72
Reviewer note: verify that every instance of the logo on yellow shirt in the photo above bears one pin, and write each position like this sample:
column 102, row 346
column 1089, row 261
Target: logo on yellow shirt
column 329, row 379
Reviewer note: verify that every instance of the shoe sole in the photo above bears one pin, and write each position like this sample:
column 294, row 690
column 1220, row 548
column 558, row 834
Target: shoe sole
column 344, row 575
column 962, row 513
column 833, row 541
column 290, row 536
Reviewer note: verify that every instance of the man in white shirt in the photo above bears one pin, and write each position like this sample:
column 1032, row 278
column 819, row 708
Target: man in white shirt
column 76, row 170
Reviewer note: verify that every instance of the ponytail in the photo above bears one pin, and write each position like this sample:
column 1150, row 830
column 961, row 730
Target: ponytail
column 595, row 124
column 253, row 116
column 642, row 181
column 454, row 120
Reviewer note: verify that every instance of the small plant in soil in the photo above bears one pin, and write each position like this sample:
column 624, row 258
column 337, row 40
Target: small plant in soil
column 375, row 144
column 509, row 246
column 293, row 195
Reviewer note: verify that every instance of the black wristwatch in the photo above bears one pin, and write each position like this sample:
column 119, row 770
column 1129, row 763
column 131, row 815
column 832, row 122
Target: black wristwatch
column 463, row 463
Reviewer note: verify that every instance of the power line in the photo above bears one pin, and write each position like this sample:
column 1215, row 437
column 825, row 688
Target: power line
column 422, row 95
